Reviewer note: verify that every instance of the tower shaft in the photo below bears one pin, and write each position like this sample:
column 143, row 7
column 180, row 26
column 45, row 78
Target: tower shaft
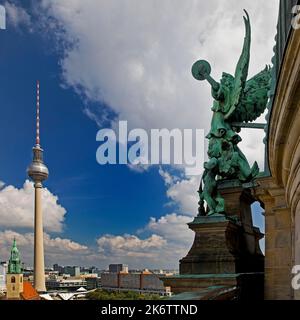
column 39, row 264
column 38, row 172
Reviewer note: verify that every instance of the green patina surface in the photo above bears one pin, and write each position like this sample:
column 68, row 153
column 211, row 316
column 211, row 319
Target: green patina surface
column 236, row 101
column 204, row 276
column 14, row 265
column 209, row 219
column 196, row 295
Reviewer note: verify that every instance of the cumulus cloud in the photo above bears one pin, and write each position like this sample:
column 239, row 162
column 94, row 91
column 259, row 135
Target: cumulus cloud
column 131, row 249
column 135, row 57
column 139, row 168
column 17, row 208
column 168, row 235
column 182, row 192
column 138, row 253
column 65, row 245
column 139, row 58
column 56, row 249
column 27, row 239
column 172, row 227
column 129, row 245
column 253, row 147
column 168, row 178
column 169, row 238
column 17, row 16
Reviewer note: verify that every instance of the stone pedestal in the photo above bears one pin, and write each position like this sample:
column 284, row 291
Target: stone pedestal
column 226, row 243
column 213, row 249
column 225, row 246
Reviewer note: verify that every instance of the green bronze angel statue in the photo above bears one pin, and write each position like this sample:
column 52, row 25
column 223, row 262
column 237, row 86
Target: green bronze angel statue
column 236, row 100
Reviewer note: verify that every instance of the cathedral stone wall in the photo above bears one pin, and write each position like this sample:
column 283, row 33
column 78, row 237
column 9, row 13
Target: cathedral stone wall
column 280, row 193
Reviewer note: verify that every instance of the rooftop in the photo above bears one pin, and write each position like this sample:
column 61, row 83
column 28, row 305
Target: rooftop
column 29, row 293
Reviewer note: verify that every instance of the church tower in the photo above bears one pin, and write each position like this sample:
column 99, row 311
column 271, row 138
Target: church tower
column 14, row 276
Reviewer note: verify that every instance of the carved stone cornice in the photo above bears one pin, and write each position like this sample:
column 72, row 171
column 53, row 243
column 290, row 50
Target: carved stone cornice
column 284, row 133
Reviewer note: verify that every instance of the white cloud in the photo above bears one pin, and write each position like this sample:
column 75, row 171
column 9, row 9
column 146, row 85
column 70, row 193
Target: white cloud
column 168, row 178
column 169, row 241
column 252, row 146
column 167, row 236
column 182, row 192
column 64, row 245
column 56, row 249
column 27, row 239
column 17, row 208
column 172, row 227
column 136, row 56
column 129, row 245
column 17, row 16
column 139, row 168
column 129, row 249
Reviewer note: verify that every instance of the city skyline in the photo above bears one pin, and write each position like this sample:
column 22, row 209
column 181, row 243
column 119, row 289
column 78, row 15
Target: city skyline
column 105, row 214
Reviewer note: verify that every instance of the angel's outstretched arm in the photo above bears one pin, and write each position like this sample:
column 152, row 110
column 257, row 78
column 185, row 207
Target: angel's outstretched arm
column 201, row 71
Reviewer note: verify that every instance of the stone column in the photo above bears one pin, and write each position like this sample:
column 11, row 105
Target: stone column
column 278, row 242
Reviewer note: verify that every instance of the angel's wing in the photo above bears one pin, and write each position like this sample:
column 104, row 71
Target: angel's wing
column 254, row 98
column 241, row 71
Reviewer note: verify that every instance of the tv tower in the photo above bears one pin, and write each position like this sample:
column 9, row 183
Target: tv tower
column 38, row 172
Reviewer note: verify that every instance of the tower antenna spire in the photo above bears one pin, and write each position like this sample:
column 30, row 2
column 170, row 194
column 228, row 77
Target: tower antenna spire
column 38, row 113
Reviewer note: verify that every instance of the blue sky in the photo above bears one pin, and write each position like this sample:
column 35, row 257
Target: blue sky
column 107, row 206
column 95, row 197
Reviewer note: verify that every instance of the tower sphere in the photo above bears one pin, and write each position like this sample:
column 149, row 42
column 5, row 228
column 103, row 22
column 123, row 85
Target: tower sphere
column 37, row 171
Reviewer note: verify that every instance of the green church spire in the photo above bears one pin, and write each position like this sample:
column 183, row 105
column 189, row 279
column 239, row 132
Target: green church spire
column 14, row 265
